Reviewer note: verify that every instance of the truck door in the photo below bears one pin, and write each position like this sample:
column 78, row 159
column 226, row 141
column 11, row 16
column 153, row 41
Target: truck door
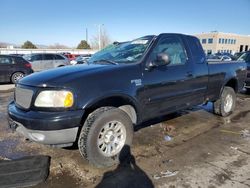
column 167, row 88
column 199, row 82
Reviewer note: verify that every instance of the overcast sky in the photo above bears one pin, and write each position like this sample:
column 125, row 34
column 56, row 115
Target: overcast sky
column 65, row 21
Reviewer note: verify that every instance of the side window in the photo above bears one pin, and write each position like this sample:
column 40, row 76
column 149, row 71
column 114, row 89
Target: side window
column 36, row 57
column 172, row 46
column 5, row 60
column 58, row 57
column 20, row 60
column 48, row 56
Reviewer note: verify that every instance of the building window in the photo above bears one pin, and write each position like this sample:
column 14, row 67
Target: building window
column 234, row 41
column 219, row 40
column 204, row 41
column 210, row 41
column 223, row 41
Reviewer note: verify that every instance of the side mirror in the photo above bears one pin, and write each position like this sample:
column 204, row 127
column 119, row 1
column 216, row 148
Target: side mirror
column 162, row 59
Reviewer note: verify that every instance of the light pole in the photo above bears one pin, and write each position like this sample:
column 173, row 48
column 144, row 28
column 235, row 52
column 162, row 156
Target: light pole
column 99, row 35
column 87, row 35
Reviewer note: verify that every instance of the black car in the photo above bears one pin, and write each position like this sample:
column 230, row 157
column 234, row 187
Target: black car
column 13, row 68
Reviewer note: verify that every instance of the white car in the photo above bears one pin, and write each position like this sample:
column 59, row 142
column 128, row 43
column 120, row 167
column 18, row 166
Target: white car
column 42, row 61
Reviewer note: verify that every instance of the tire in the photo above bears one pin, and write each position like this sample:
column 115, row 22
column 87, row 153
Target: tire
column 225, row 105
column 97, row 136
column 16, row 76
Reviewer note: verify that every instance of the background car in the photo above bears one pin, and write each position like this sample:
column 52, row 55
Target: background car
column 13, row 68
column 215, row 57
column 70, row 56
column 46, row 61
column 80, row 59
column 238, row 54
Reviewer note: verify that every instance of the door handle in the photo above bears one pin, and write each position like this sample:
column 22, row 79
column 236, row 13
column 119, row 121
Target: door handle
column 189, row 74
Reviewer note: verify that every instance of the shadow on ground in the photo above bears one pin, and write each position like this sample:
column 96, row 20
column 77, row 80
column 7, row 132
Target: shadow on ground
column 127, row 174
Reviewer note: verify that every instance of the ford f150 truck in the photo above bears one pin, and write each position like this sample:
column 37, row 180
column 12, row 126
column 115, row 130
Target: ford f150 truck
column 97, row 105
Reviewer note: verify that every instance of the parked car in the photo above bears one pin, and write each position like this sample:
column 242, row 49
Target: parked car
column 44, row 61
column 98, row 105
column 13, row 68
column 237, row 55
column 218, row 58
column 80, row 59
column 225, row 58
column 246, row 58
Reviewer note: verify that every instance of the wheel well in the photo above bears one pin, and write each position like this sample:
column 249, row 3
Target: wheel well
column 233, row 84
column 120, row 102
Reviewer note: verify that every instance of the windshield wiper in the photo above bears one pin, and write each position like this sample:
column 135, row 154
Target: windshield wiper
column 106, row 61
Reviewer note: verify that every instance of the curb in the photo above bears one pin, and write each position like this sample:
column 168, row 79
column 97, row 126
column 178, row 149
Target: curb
column 7, row 88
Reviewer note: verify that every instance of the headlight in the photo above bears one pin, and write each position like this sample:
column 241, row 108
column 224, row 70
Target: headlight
column 55, row 99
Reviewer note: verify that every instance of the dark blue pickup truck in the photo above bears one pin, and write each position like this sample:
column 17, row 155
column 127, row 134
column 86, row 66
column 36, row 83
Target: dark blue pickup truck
column 97, row 105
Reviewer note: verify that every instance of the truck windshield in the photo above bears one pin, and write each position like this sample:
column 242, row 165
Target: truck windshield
column 126, row 52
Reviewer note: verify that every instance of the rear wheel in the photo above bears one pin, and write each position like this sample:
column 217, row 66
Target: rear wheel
column 225, row 105
column 16, row 76
column 105, row 132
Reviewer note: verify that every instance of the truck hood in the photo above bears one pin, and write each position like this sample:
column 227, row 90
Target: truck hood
column 62, row 75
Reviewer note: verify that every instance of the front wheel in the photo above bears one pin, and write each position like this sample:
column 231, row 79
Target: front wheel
column 105, row 132
column 225, row 105
column 16, row 76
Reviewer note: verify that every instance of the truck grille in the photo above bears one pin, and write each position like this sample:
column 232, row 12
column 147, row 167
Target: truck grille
column 23, row 97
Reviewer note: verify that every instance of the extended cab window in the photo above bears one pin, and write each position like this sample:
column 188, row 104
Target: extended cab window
column 172, row 46
column 196, row 49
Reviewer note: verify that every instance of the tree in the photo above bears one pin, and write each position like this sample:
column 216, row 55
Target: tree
column 29, row 45
column 105, row 40
column 83, row 45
